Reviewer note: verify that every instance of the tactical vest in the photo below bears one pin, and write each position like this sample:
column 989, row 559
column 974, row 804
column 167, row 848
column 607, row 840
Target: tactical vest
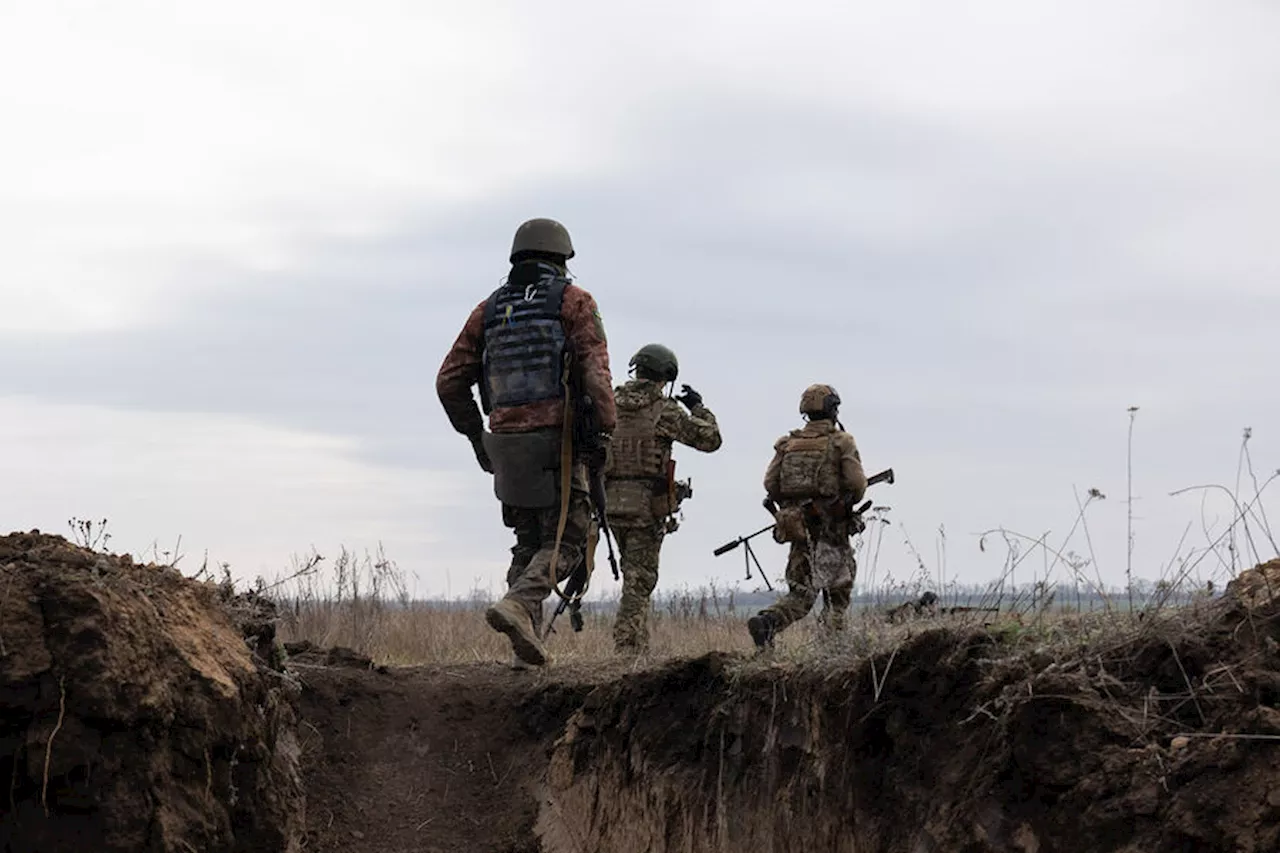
column 635, row 452
column 524, row 344
column 809, row 468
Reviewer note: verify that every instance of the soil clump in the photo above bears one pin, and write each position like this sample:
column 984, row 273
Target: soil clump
column 1164, row 739
column 134, row 716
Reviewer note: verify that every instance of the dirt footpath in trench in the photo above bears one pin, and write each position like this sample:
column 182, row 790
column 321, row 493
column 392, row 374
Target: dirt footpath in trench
column 431, row 759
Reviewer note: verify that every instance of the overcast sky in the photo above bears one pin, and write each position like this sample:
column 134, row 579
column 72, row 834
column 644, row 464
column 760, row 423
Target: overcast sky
column 238, row 238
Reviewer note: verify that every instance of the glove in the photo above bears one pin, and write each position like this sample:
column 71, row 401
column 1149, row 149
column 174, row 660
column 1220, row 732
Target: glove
column 689, row 397
column 482, row 455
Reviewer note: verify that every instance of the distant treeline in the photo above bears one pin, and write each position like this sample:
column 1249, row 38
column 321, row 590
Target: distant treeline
column 713, row 600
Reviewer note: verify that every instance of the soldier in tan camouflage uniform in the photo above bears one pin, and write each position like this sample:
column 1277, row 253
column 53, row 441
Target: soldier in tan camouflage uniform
column 535, row 340
column 815, row 478
column 641, row 479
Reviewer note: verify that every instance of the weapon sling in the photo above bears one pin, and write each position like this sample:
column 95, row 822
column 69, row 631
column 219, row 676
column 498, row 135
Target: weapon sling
column 566, row 484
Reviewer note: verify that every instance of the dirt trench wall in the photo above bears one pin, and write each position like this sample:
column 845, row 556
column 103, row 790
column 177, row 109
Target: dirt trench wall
column 133, row 714
column 965, row 750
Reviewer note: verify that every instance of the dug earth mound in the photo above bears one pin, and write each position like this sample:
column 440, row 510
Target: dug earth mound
column 134, row 715
column 1161, row 737
column 140, row 710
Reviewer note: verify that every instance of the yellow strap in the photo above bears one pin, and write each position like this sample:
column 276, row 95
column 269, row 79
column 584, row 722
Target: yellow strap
column 566, row 484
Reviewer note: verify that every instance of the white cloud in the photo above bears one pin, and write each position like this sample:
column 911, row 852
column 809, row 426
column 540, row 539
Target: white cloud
column 249, row 495
column 142, row 136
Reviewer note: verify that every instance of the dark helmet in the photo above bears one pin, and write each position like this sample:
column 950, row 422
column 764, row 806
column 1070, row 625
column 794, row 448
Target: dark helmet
column 658, row 360
column 820, row 400
column 542, row 235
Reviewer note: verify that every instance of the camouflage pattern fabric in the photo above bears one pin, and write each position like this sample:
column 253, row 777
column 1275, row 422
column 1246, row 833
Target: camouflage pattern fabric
column 640, row 543
column 849, row 477
column 696, row 428
column 463, row 367
column 802, row 592
column 529, row 577
column 640, row 547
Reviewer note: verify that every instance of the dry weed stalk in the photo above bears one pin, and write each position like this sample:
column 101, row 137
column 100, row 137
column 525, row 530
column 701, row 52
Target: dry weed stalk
column 48, row 749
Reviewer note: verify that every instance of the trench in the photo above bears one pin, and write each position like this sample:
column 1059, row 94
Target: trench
column 134, row 718
column 943, row 744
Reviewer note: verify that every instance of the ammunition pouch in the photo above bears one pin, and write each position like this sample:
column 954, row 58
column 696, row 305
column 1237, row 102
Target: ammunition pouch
column 789, row 524
column 526, row 467
column 631, row 502
column 662, row 505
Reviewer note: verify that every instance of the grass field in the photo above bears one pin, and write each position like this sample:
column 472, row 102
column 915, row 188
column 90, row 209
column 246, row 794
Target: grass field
column 360, row 603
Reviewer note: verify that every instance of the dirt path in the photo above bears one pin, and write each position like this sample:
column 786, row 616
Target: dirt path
column 428, row 759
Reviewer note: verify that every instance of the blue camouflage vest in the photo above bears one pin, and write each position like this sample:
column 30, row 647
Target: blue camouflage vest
column 524, row 344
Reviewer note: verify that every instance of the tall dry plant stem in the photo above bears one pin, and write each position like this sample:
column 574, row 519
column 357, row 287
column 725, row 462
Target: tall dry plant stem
column 1128, row 567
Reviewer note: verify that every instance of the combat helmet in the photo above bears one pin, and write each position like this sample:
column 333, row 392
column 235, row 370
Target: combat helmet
column 821, row 400
column 542, row 235
column 658, row 360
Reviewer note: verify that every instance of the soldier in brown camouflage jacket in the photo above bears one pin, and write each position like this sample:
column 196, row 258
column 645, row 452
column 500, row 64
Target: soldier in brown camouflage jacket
column 815, row 476
column 640, row 480
column 533, row 337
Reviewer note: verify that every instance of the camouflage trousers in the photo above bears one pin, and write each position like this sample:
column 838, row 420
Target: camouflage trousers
column 639, row 547
column 529, row 577
column 802, row 593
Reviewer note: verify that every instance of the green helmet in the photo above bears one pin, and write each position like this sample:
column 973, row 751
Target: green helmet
column 658, row 360
column 542, row 235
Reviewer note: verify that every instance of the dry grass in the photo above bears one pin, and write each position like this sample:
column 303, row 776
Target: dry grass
column 362, row 605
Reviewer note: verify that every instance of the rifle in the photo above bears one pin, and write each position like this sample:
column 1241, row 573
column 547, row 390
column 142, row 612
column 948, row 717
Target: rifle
column 590, row 442
column 885, row 476
column 855, row 513
column 573, row 590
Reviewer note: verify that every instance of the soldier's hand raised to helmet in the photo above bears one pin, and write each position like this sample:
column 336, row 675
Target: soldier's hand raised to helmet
column 689, row 397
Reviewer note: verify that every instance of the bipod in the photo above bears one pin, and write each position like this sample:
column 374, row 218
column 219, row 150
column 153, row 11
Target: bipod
column 748, row 556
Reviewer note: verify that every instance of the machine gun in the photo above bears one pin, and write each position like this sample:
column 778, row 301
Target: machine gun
column 840, row 504
column 749, row 556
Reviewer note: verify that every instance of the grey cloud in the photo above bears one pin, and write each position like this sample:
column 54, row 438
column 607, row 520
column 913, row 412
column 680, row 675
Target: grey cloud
column 1008, row 328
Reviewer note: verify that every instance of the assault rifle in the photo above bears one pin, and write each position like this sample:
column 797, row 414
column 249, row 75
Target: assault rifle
column 572, row 599
column 843, row 504
column 590, row 440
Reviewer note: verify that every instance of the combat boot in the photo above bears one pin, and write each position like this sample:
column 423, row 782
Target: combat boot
column 763, row 627
column 511, row 618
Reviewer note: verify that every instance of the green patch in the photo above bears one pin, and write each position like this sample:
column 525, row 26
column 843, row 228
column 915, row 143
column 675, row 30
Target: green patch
column 595, row 312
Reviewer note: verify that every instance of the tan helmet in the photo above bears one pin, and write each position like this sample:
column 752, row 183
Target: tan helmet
column 542, row 235
column 819, row 400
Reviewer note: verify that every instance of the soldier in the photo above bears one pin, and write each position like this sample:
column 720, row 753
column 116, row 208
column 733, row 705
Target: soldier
column 815, row 478
column 534, row 346
column 641, row 478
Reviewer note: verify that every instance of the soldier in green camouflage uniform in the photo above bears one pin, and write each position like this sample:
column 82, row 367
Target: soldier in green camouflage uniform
column 641, row 482
column 814, row 476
